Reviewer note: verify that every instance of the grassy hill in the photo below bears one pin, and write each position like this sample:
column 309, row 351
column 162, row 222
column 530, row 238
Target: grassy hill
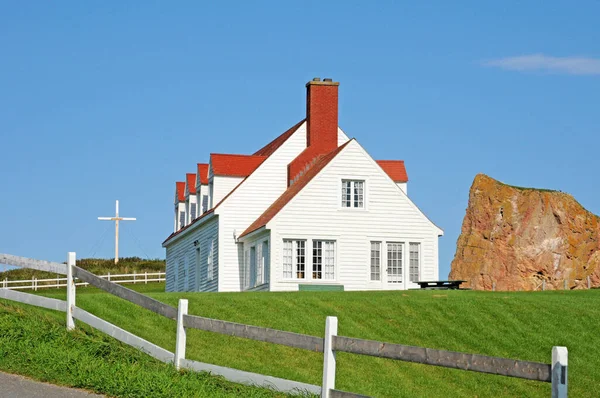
column 35, row 343
column 519, row 325
column 98, row 266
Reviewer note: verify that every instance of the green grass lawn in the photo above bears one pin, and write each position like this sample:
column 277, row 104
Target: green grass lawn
column 519, row 325
column 34, row 342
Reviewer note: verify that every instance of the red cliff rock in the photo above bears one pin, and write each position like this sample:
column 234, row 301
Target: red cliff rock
column 516, row 238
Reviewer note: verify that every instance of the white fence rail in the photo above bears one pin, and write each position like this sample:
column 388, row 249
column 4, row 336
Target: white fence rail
column 35, row 283
column 556, row 372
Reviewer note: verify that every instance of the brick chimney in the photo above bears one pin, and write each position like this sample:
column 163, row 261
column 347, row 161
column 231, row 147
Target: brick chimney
column 321, row 122
column 322, row 113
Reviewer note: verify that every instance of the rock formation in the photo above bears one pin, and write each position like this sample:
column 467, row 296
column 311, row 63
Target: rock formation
column 517, row 238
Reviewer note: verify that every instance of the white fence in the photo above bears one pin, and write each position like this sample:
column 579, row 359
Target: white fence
column 556, row 372
column 35, row 283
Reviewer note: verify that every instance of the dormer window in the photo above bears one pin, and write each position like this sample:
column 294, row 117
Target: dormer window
column 353, row 193
column 181, row 219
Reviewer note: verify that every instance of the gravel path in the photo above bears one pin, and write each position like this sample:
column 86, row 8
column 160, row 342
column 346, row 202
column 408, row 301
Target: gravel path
column 20, row 387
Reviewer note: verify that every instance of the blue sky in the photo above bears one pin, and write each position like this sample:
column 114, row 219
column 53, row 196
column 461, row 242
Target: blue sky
column 104, row 100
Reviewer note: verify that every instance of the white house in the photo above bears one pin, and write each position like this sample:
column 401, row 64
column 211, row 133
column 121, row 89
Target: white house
column 311, row 210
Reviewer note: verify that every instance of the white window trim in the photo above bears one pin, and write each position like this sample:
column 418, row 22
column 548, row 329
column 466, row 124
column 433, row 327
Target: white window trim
column 381, row 257
column 308, row 259
column 420, row 259
column 366, row 185
column 405, row 255
column 294, row 277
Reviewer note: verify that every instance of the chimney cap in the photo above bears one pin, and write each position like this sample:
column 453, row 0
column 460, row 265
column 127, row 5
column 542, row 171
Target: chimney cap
column 326, row 82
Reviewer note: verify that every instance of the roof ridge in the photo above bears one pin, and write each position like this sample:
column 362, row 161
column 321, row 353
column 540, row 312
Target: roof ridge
column 294, row 189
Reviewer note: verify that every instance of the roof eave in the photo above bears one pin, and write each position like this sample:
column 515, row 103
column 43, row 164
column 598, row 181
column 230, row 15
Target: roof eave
column 177, row 235
column 250, row 234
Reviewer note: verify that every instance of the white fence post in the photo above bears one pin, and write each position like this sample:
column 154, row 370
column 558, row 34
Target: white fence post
column 180, row 338
column 559, row 372
column 5, row 283
column 146, row 277
column 331, row 327
column 109, row 276
column 70, row 291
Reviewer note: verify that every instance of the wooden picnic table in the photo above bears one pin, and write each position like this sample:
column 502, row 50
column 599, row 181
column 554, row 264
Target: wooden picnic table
column 442, row 285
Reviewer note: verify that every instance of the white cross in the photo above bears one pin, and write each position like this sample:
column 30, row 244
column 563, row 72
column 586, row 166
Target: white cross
column 116, row 219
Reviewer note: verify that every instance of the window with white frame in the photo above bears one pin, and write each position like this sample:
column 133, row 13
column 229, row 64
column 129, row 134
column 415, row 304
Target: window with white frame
column 394, row 262
column 413, row 261
column 294, row 259
column 323, row 264
column 210, row 260
column 353, row 194
column 375, row 261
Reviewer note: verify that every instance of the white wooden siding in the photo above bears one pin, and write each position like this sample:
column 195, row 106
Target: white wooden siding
column 316, row 213
column 179, row 207
column 184, row 247
column 342, row 137
column 222, row 186
column 403, row 186
column 248, row 202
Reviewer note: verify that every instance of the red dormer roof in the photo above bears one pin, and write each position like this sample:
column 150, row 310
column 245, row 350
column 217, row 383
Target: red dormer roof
column 180, row 191
column 203, row 173
column 234, row 165
column 272, row 146
column 293, row 190
column 190, row 178
column 395, row 169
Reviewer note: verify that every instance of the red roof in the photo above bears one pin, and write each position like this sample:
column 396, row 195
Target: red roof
column 395, row 169
column 203, row 173
column 293, row 190
column 203, row 214
column 190, row 178
column 234, row 165
column 180, row 191
column 272, row 146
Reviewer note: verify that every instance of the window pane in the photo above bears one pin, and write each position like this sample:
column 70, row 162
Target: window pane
column 300, row 259
column 394, row 262
column 247, row 269
column 358, row 193
column 414, row 261
column 181, row 219
column 287, row 258
column 193, row 211
column 317, row 266
column 259, row 265
column 375, row 261
column 346, row 192
column 329, row 259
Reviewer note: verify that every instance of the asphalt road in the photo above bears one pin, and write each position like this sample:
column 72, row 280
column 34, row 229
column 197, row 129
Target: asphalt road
column 14, row 386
